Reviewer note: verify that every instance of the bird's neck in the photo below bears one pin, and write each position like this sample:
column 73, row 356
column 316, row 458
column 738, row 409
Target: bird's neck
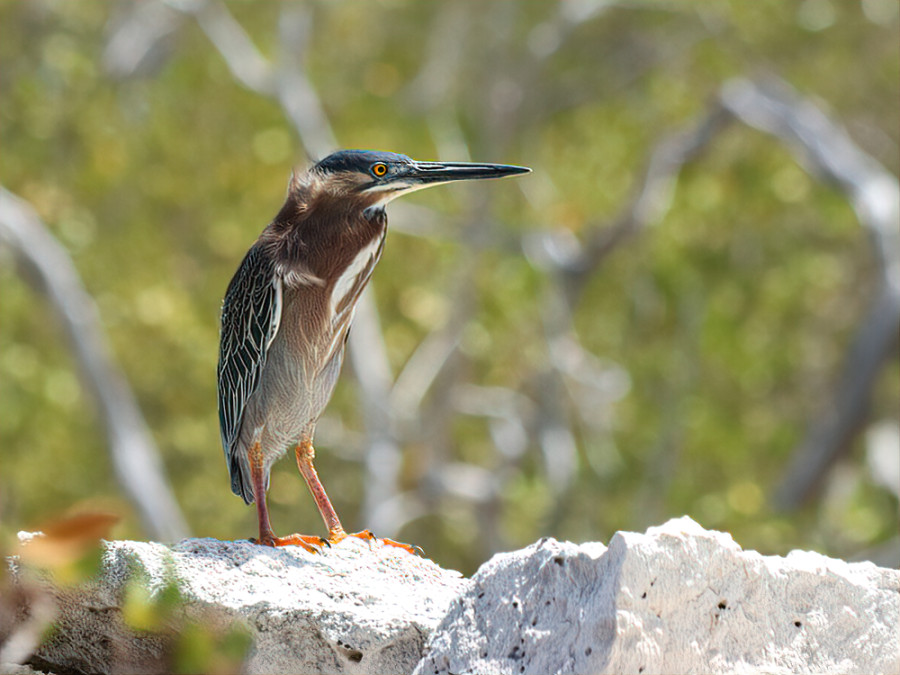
column 320, row 237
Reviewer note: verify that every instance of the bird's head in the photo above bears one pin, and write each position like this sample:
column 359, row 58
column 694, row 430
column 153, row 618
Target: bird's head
column 376, row 178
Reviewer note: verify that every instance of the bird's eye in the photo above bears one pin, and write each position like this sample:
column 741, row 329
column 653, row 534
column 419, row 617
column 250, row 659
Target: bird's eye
column 379, row 169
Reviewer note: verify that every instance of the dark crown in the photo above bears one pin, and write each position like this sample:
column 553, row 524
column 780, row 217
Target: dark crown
column 358, row 160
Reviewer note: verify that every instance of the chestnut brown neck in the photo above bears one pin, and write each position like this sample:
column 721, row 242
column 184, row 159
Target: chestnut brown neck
column 321, row 231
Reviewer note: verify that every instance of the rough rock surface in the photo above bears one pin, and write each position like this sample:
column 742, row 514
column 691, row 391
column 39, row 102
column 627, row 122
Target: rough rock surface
column 674, row 600
column 678, row 599
column 352, row 609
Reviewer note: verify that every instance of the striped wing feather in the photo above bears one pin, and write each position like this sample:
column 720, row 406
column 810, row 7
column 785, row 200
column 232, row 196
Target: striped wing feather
column 251, row 314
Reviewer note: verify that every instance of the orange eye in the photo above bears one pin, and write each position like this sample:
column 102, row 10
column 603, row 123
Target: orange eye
column 379, row 169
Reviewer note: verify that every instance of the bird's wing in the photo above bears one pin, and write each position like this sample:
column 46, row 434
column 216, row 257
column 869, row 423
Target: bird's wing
column 251, row 314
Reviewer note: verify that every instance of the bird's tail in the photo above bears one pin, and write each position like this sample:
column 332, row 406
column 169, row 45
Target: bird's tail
column 241, row 483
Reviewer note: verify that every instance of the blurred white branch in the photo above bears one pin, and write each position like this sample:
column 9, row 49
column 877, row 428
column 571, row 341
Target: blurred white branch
column 139, row 40
column 286, row 81
column 243, row 59
column 383, row 457
column 49, row 269
column 828, row 152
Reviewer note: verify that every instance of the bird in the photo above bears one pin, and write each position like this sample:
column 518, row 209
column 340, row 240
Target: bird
column 287, row 314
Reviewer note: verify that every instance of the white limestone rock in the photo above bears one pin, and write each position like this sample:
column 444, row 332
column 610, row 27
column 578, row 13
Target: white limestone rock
column 355, row 608
column 678, row 599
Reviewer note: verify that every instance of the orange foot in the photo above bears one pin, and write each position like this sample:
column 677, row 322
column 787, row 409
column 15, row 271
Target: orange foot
column 307, row 542
column 339, row 536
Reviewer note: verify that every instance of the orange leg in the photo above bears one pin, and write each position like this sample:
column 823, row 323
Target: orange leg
column 266, row 536
column 305, row 454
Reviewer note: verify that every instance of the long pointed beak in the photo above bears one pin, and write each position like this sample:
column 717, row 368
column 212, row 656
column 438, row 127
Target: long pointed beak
column 413, row 175
column 434, row 173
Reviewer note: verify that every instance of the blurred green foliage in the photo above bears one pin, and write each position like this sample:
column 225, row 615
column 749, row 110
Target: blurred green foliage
column 731, row 316
column 200, row 643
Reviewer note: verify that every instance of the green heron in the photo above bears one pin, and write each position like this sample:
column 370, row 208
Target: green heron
column 288, row 309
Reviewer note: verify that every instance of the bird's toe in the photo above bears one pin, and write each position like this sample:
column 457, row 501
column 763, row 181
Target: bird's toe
column 366, row 535
column 310, row 543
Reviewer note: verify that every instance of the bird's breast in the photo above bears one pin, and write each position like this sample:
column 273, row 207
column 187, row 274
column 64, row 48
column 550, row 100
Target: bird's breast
column 305, row 357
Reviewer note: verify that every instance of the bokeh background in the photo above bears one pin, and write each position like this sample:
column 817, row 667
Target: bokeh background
column 660, row 320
